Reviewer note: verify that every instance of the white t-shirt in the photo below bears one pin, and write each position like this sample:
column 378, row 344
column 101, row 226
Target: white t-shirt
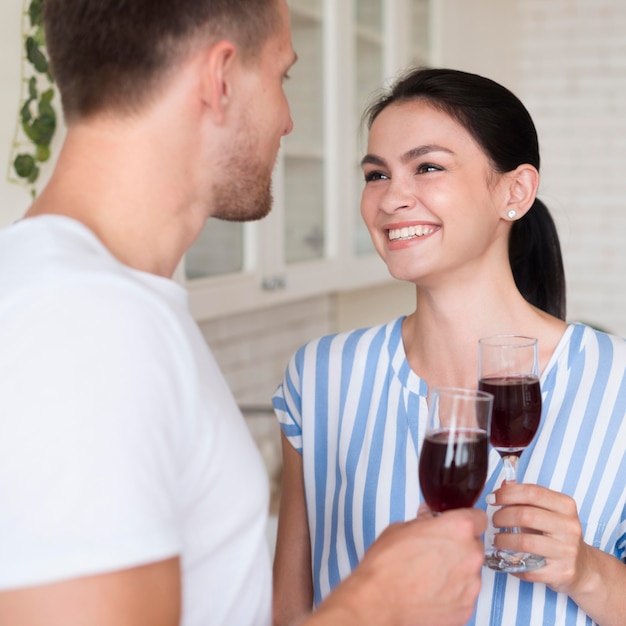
column 120, row 443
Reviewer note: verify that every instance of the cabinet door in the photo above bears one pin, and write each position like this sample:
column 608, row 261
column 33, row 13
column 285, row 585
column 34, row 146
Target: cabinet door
column 390, row 37
column 420, row 41
column 304, row 181
column 314, row 240
column 218, row 250
column 369, row 74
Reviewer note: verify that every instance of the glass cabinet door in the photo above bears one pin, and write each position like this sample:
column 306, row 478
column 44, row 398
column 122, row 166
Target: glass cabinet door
column 314, row 241
column 304, row 182
column 369, row 52
column 218, row 250
column 222, row 246
column 390, row 37
column 419, row 33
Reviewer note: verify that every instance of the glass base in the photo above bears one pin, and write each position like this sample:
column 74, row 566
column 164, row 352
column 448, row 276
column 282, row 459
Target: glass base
column 513, row 562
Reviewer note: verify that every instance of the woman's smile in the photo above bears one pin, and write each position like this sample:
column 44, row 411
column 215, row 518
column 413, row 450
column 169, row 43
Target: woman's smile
column 406, row 233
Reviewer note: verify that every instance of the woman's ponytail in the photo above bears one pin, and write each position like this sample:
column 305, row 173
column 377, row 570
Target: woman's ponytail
column 536, row 261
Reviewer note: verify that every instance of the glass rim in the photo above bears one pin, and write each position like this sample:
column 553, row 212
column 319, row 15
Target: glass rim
column 507, row 340
column 462, row 392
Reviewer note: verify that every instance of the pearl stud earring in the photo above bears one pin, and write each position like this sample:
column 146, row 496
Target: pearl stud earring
column 512, row 214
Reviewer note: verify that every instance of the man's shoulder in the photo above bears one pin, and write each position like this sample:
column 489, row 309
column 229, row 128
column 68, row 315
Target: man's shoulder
column 38, row 251
column 53, row 259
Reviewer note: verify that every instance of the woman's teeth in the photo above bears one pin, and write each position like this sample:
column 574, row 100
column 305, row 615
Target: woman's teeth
column 408, row 232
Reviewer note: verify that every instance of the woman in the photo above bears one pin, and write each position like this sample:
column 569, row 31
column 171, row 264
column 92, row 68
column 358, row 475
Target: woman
column 451, row 176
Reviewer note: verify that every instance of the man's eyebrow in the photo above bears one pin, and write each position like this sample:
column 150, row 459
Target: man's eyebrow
column 409, row 155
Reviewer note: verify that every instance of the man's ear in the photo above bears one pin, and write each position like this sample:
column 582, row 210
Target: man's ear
column 217, row 76
column 522, row 185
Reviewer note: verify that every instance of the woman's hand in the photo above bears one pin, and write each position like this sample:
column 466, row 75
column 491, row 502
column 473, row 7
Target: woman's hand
column 593, row 579
column 553, row 515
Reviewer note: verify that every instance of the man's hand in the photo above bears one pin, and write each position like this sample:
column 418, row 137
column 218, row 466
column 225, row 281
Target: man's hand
column 422, row 572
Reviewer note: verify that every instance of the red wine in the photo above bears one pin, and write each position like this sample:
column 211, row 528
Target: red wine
column 453, row 468
column 516, row 411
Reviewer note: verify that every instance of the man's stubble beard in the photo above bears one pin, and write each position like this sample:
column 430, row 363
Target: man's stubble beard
column 245, row 192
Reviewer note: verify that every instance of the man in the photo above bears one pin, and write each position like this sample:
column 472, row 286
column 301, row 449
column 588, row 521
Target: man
column 131, row 492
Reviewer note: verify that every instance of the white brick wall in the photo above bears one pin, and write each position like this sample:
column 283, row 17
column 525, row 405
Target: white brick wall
column 572, row 77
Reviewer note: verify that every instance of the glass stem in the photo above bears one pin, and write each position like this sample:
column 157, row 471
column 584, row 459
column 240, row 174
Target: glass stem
column 510, row 467
column 510, row 476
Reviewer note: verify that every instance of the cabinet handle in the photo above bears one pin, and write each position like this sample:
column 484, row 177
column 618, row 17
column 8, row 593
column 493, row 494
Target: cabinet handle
column 274, row 283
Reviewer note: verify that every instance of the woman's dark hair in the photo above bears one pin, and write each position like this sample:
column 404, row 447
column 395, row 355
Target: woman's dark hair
column 503, row 128
column 112, row 54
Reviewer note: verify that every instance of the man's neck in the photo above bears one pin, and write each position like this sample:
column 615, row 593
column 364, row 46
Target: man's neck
column 112, row 181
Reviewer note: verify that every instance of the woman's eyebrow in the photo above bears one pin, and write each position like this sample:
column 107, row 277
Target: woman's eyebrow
column 372, row 159
column 415, row 153
column 409, row 155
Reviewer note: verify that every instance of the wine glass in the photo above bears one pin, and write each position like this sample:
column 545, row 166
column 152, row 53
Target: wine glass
column 508, row 367
column 454, row 456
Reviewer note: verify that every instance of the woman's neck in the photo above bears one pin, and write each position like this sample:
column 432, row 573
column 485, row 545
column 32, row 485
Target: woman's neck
column 441, row 336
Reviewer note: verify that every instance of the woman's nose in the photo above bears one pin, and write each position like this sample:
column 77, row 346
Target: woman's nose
column 397, row 197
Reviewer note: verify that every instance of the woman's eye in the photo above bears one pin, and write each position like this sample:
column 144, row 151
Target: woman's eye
column 424, row 168
column 372, row 176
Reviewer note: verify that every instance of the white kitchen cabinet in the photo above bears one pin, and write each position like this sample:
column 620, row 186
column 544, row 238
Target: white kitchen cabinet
column 313, row 242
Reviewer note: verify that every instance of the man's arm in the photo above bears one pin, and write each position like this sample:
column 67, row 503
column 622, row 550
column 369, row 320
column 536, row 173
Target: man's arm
column 422, row 572
column 141, row 596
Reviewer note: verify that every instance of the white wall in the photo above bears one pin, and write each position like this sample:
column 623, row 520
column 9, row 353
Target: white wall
column 476, row 36
column 572, row 68
column 566, row 60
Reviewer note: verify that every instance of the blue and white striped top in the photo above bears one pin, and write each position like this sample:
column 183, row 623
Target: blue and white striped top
column 356, row 411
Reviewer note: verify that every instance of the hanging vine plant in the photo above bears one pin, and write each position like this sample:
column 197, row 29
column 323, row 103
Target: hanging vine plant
column 37, row 119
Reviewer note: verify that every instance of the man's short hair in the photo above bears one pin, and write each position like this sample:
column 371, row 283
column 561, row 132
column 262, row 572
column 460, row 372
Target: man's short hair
column 112, row 54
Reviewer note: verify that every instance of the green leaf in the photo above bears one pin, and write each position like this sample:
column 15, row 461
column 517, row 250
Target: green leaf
column 46, row 110
column 24, row 165
column 35, row 13
column 32, row 87
column 40, row 36
column 42, row 154
column 43, row 128
column 30, row 132
column 47, row 95
column 36, row 56
column 39, row 127
column 34, row 175
column 25, row 114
